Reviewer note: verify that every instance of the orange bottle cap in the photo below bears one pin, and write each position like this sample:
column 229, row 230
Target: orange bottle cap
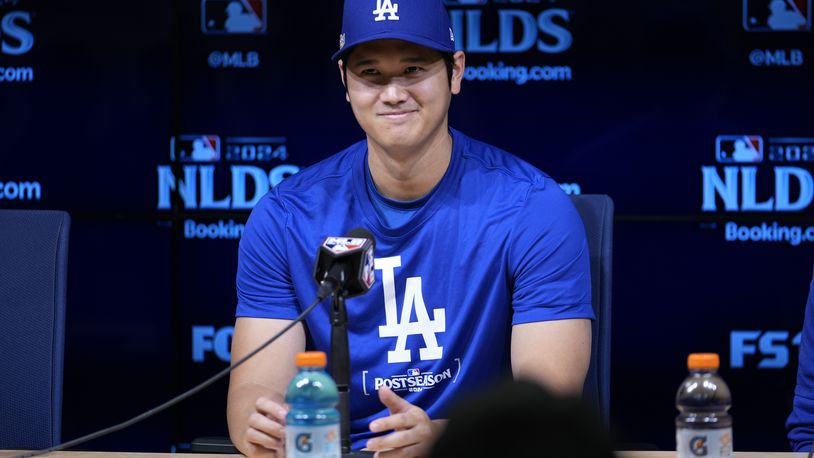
column 703, row 361
column 311, row 359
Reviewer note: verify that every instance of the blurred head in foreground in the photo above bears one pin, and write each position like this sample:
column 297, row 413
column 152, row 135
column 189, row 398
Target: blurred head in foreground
column 521, row 419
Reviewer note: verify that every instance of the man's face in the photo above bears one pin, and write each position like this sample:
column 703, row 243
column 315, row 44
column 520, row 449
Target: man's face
column 400, row 92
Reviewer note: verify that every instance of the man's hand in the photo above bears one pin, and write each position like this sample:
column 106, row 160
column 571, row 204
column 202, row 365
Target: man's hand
column 265, row 435
column 414, row 432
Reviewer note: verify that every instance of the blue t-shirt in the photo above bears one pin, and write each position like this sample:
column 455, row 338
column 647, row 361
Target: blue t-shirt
column 393, row 213
column 800, row 423
column 497, row 243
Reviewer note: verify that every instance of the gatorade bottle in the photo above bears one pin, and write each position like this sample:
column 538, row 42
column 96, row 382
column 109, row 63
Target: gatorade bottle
column 703, row 425
column 312, row 424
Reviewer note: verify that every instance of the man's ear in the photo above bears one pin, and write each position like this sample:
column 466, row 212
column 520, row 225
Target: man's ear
column 458, row 67
column 341, row 65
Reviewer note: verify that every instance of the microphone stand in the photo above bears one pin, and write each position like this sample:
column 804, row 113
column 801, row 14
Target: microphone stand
column 340, row 368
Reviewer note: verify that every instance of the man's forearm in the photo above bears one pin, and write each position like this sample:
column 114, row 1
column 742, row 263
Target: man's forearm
column 265, row 376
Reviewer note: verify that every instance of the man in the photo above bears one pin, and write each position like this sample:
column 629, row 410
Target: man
column 800, row 423
column 481, row 260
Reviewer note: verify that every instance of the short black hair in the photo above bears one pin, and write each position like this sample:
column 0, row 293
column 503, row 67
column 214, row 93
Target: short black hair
column 528, row 421
column 449, row 61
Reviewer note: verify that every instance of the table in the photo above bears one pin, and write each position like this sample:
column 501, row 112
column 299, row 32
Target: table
column 6, row 454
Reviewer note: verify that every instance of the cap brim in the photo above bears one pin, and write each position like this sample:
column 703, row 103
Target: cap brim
column 421, row 41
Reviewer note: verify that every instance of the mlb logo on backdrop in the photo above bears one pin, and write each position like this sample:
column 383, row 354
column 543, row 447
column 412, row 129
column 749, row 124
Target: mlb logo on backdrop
column 777, row 15
column 739, row 148
column 413, row 372
column 195, row 148
column 233, row 16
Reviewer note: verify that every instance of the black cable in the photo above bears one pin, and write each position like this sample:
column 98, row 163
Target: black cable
column 192, row 391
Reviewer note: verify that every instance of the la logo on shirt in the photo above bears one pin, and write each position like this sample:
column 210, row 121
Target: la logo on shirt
column 402, row 327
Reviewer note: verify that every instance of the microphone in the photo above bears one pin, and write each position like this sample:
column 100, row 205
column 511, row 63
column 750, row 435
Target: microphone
column 345, row 263
column 344, row 268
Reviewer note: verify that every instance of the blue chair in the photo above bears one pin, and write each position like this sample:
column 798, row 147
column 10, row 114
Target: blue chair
column 33, row 276
column 597, row 216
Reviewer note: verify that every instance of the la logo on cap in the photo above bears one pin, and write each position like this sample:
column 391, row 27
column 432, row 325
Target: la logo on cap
column 386, row 7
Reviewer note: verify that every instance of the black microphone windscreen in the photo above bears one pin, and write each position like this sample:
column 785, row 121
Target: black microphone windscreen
column 361, row 233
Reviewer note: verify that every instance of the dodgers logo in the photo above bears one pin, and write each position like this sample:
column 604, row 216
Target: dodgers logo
column 777, row 15
column 413, row 299
column 386, row 7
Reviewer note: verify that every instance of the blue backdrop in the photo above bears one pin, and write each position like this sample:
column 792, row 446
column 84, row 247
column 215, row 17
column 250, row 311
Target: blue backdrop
column 157, row 125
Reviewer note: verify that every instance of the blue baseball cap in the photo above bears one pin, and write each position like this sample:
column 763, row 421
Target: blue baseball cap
column 423, row 22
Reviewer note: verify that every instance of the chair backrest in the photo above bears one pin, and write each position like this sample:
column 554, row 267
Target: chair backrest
column 33, row 276
column 596, row 211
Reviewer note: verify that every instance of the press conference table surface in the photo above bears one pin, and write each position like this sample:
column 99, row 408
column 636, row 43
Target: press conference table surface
column 6, row 454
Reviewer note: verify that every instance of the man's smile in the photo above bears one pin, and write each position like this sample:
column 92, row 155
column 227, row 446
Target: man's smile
column 397, row 115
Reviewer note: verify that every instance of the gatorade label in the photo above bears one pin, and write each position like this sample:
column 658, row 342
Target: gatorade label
column 711, row 443
column 312, row 441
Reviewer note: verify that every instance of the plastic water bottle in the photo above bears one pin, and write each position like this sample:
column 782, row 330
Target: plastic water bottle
column 703, row 425
column 312, row 424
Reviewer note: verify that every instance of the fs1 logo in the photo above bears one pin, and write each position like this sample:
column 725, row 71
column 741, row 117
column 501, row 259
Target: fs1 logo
column 518, row 30
column 777, row 15
column 205, row 339
column 736, row 185
column 771, row 346
column 199, row 157
column 233, row 16
column 15, row 36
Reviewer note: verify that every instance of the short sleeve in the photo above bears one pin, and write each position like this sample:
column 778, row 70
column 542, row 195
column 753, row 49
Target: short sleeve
column 264, row 285
column 549, row 258
column 800, row 423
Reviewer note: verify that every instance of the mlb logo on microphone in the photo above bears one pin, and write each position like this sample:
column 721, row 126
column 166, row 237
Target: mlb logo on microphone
column 739, row 149
column 777, row 15
column 233, row 16
column 339, row 245
column 413, row 372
